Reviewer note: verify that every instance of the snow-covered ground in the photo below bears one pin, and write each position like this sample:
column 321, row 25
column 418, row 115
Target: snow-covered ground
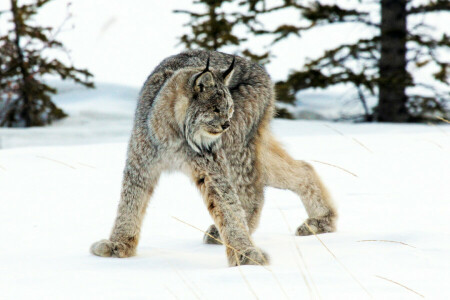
column 98, row 115
column 60, row 185
column 57, row 200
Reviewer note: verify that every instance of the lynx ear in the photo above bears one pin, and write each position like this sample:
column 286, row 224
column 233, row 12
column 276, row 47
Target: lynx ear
column 228, row 73
column 203, row 79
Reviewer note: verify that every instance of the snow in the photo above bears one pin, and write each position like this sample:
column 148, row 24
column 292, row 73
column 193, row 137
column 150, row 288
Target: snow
column 60, row 186
column 57, row 200
column 96, row 115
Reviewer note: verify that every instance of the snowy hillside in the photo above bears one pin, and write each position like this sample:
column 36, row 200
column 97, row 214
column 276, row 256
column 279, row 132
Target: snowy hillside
column 393, row 199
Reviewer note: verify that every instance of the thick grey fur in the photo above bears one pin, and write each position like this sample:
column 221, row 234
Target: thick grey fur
column 214, row 128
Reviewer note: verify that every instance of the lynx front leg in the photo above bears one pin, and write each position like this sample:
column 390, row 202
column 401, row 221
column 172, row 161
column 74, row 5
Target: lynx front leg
column 282, row 171
column 228, row 215
column 139, row 180
column 252, row 200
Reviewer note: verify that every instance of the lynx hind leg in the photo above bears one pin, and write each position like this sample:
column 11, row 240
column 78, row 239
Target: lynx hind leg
column 322, row 214
column 317, row 225
column 212, row 236
column 283, row 172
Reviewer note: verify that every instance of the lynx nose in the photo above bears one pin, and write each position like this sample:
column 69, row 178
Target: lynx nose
column 226, row 125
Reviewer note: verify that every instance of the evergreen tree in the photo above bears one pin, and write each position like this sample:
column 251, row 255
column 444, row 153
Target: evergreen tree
column 382, row 59
column 214, row 27
column 211, row 29
column 24, row 99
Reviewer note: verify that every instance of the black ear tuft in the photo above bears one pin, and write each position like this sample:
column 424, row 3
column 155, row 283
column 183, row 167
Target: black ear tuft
column 202, row 72
column 230, row 68
column 207, row 64
column 228, row 73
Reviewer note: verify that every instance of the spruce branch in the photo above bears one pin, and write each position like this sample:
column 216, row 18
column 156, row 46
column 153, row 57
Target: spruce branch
column 432, row 6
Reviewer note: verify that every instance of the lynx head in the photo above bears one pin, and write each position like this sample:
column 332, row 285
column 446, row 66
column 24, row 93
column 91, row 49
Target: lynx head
column 208, row 107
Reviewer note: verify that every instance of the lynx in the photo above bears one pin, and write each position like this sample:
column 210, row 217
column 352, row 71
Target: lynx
column 212, row 123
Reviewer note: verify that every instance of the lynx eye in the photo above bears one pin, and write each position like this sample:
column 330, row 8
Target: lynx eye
column 216, row 110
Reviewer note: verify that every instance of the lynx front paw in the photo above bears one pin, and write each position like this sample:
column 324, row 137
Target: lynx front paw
column 212, row 236
column 106, row 248
column 316, row 225
column 251, row 256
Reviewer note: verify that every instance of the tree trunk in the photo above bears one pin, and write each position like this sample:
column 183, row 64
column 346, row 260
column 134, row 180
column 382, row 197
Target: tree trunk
column 24, row 86
column 213, row 24
column 392, row 65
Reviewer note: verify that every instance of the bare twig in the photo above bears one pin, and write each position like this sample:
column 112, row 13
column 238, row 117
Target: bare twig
column 339, row 262
column 433, row 142
column 345, row 170
column 217, row 240
column 303, row 261
column 187, row 284
column 443, row 120
column 361, row 144
column 439, row 128
column 234, row 249
column 334, row 129
column 171, row 292
column 279, row 283
column 403, row 286
column 363, row 100
column 387, row 241
column 57, row 161
column 106, row 26
column 245, row 278
column 194, row 284
column 86, row 165
column 354, row 139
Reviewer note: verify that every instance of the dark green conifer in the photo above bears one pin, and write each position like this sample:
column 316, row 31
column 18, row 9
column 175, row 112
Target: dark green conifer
column 25, row 100
column 211, row 29
column 382, row 60
column 214, row 28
